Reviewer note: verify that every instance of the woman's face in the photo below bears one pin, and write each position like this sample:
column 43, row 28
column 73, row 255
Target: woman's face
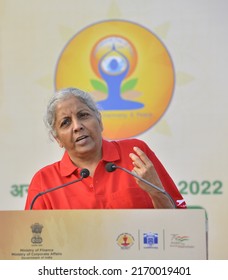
column 77, row 128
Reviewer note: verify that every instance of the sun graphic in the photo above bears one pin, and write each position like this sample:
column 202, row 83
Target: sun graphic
column 119, row 123
column 126, row 68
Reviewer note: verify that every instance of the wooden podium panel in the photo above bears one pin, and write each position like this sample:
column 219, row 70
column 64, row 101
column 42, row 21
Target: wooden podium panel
column 103, row 234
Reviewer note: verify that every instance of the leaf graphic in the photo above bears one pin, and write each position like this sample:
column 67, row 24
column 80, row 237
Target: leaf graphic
column 97, row 85
column 129, row 85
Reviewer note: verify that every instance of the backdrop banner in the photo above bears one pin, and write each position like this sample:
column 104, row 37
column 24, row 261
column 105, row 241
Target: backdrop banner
column 169, row 89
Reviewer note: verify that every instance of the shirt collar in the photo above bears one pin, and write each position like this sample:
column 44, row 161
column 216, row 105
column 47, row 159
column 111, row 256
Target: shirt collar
column 66, row 165
column 110, row 151
column 110, row 154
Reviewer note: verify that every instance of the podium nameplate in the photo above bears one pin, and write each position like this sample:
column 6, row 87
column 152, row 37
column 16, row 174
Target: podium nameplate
column 103, row 234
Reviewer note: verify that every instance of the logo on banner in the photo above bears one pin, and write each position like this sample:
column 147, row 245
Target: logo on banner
column 125, row 240
column 180, row 241
column 36, row 231
column 150, row 240
column 127, row 70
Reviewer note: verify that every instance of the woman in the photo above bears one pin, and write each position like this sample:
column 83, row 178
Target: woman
column 75, row 122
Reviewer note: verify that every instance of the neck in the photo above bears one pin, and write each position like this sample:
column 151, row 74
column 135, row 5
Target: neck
column 90, row 162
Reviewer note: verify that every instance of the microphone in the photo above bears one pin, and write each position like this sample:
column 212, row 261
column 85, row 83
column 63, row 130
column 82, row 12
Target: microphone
column 84, row 173
column 110, row 167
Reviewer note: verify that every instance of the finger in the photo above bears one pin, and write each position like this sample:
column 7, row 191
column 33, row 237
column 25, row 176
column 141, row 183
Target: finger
column 136, row 161
column 142, row 156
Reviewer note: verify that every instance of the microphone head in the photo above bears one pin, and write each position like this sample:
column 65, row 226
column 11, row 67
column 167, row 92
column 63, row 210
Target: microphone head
column 84, row 173
column 110, row 167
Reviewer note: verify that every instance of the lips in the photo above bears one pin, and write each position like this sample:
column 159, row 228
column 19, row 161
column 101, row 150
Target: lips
column 81, row 138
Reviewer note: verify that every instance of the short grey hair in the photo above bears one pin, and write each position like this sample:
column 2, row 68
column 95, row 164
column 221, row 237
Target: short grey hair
column 61, row 95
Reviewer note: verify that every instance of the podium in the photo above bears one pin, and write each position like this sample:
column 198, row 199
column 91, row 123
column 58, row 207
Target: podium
column 156, row 234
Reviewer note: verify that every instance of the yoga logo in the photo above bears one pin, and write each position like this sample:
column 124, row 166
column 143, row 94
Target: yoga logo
column 127, row 70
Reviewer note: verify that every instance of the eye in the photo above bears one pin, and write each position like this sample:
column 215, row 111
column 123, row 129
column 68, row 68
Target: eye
column 65, row 122
column 83, row 115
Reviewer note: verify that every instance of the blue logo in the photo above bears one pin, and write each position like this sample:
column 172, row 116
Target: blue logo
column 113, row 60
column 150, row 240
